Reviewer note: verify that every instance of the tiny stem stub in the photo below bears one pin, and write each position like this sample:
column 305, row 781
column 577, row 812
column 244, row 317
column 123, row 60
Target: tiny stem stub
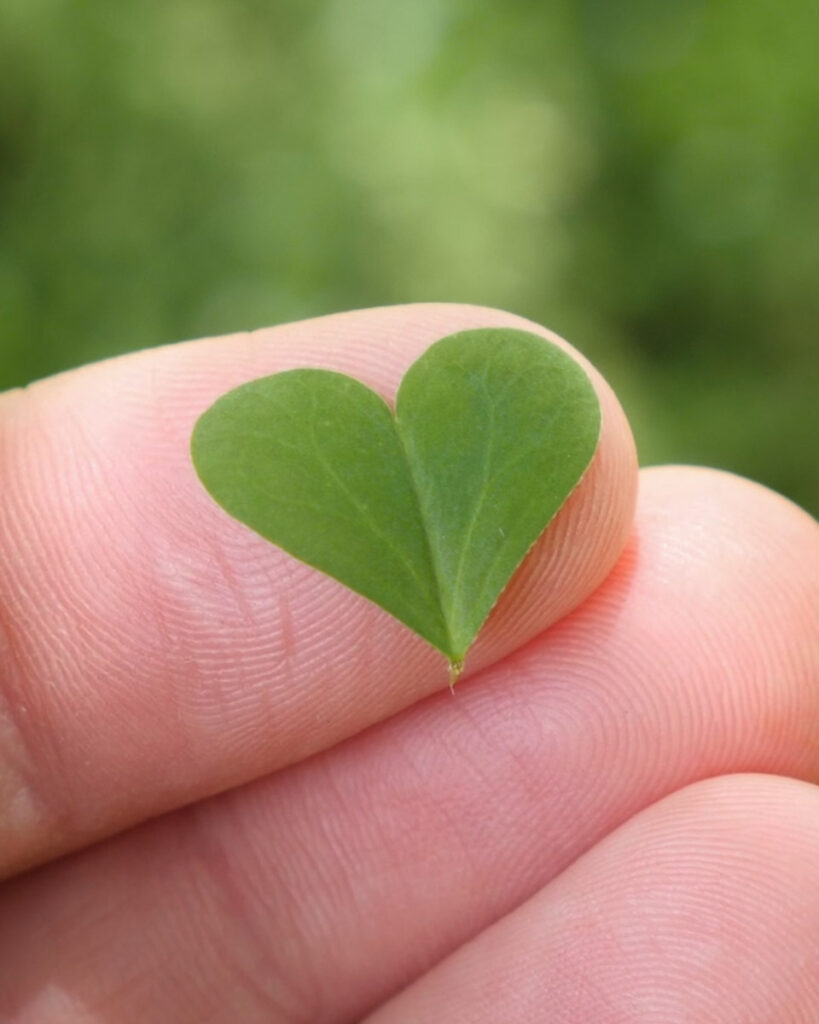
column 456, row 666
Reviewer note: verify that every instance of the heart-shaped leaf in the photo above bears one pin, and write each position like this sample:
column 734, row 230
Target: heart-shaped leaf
column 427, row 512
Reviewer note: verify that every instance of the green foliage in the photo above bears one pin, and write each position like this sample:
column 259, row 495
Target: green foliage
column 639, row 176
column 427, row 513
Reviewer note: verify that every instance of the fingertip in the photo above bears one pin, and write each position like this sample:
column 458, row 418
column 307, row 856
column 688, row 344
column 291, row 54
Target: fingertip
column 155, row 631
column 703, row 908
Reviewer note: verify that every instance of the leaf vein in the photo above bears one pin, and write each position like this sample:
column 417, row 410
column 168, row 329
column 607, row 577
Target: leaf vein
column 364, row 512
column 479, row 504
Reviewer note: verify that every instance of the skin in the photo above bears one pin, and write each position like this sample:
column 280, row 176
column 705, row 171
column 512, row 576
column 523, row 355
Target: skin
column 231, row 790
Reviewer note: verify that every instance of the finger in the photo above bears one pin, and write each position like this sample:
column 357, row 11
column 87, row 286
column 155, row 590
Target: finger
column 154, row 651
column 327, row 887
column 704, row 908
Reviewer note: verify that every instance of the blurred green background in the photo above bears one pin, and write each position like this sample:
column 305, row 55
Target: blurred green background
column 639, row 175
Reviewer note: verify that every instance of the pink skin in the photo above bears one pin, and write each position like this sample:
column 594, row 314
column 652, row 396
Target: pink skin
column 501, row 854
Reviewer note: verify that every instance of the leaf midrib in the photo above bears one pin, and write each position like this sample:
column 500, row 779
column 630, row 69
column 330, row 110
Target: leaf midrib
column 367, row 517
column 484, row 489
column 437, row 573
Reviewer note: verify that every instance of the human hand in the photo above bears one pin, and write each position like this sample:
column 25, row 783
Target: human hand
column 614, row 820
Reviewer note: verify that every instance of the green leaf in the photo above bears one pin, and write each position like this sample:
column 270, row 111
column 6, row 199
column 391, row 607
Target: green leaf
column 428, row 512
